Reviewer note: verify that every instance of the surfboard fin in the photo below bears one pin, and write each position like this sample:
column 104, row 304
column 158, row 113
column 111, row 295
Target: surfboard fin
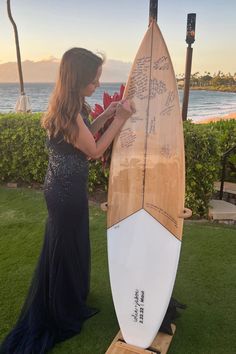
column 187, row 213
column 104, row 206
column 171, row 315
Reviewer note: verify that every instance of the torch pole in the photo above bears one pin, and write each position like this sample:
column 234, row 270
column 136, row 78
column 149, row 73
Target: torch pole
column 187, row 81
column 22, row 91
column 190, row 38
column 153, row 7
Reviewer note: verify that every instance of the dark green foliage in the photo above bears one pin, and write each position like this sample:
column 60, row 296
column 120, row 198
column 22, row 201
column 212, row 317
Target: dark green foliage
column 202, row 166
column 23, row 154
column 205, row 145
column 97, row 176
column 217, row 82
column 23, row 157
column 222, row 88
column 225, row 132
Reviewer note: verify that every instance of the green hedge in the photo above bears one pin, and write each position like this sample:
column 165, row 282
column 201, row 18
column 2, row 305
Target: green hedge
column 202, row 166
column 226, row 136
column 23, row 156
column 205, row 145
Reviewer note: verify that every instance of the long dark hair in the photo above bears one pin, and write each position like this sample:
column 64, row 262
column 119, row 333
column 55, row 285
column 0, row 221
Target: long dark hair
column 78, row 68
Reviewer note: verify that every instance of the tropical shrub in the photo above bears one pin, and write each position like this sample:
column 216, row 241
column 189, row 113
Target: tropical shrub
column 202, row 166
column 23, row 156
column 226, row 136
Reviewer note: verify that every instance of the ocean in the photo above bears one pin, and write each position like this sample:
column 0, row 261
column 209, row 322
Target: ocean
column 202, row 104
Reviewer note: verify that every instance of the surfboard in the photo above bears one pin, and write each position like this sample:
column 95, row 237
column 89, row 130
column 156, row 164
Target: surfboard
column 146, row 195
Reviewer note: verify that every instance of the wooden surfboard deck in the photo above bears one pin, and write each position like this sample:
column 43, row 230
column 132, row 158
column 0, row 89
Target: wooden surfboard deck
column 146, row 195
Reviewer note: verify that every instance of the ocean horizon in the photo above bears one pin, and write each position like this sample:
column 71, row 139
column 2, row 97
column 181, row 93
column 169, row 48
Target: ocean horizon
column 202, row 104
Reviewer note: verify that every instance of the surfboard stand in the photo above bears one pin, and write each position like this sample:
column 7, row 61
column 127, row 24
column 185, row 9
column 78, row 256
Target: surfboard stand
column 160, row 345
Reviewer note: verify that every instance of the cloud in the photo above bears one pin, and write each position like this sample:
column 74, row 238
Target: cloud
column 115, row 71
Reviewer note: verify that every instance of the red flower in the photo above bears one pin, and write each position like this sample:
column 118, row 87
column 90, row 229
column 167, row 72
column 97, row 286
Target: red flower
column 107, row 99
column 98, row 109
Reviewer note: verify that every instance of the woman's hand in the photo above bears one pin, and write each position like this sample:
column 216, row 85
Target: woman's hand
column 103, row 118
column 124, row 110
column 111, row 110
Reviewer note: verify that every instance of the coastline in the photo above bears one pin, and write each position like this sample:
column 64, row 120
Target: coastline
column 216, row 119
column 203, row 105
column 210, row 88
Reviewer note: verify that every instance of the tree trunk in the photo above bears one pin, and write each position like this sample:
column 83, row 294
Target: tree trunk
column 17, row 48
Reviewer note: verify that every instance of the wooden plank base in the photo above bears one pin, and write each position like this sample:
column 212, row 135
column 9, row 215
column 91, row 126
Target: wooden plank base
column 160, row 345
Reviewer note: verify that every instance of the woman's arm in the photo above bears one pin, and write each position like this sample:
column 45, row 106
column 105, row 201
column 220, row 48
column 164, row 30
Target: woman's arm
column 86, row 142
column 99, row 122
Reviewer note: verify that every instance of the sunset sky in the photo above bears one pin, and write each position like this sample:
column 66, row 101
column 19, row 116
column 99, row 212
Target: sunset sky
column 49, row 27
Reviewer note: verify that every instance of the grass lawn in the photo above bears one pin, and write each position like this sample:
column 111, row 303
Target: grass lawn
column 205, row 280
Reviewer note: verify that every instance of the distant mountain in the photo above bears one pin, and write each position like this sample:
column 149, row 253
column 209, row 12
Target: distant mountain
column 46, row 71
column 40, row 71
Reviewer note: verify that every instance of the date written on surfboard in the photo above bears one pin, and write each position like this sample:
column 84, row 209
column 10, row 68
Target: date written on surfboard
column 138, row 313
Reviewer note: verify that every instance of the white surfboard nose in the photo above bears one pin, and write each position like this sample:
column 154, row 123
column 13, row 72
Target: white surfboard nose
column 143, row 259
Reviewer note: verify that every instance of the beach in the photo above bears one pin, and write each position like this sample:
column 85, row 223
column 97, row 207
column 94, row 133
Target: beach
column 216, row 119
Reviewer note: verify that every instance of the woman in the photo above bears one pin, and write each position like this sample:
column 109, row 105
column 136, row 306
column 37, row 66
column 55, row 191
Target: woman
column 55, row 307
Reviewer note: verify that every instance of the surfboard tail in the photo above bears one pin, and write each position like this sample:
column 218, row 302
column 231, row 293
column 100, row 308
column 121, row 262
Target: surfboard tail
column 142, row 275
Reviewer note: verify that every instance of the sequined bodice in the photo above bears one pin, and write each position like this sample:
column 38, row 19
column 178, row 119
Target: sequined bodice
column 66, row 164
column 65, row 159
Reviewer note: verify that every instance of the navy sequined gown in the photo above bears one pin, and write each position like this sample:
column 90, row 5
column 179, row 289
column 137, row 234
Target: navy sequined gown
column 55, row 307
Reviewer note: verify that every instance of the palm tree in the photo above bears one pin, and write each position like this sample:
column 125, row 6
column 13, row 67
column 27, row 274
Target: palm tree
column 17, row 47
column 22, row 104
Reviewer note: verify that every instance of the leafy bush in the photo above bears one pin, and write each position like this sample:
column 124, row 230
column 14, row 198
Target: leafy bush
column 98, row 177
column 23, row 156
column 226, row 136
column 202, row 166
